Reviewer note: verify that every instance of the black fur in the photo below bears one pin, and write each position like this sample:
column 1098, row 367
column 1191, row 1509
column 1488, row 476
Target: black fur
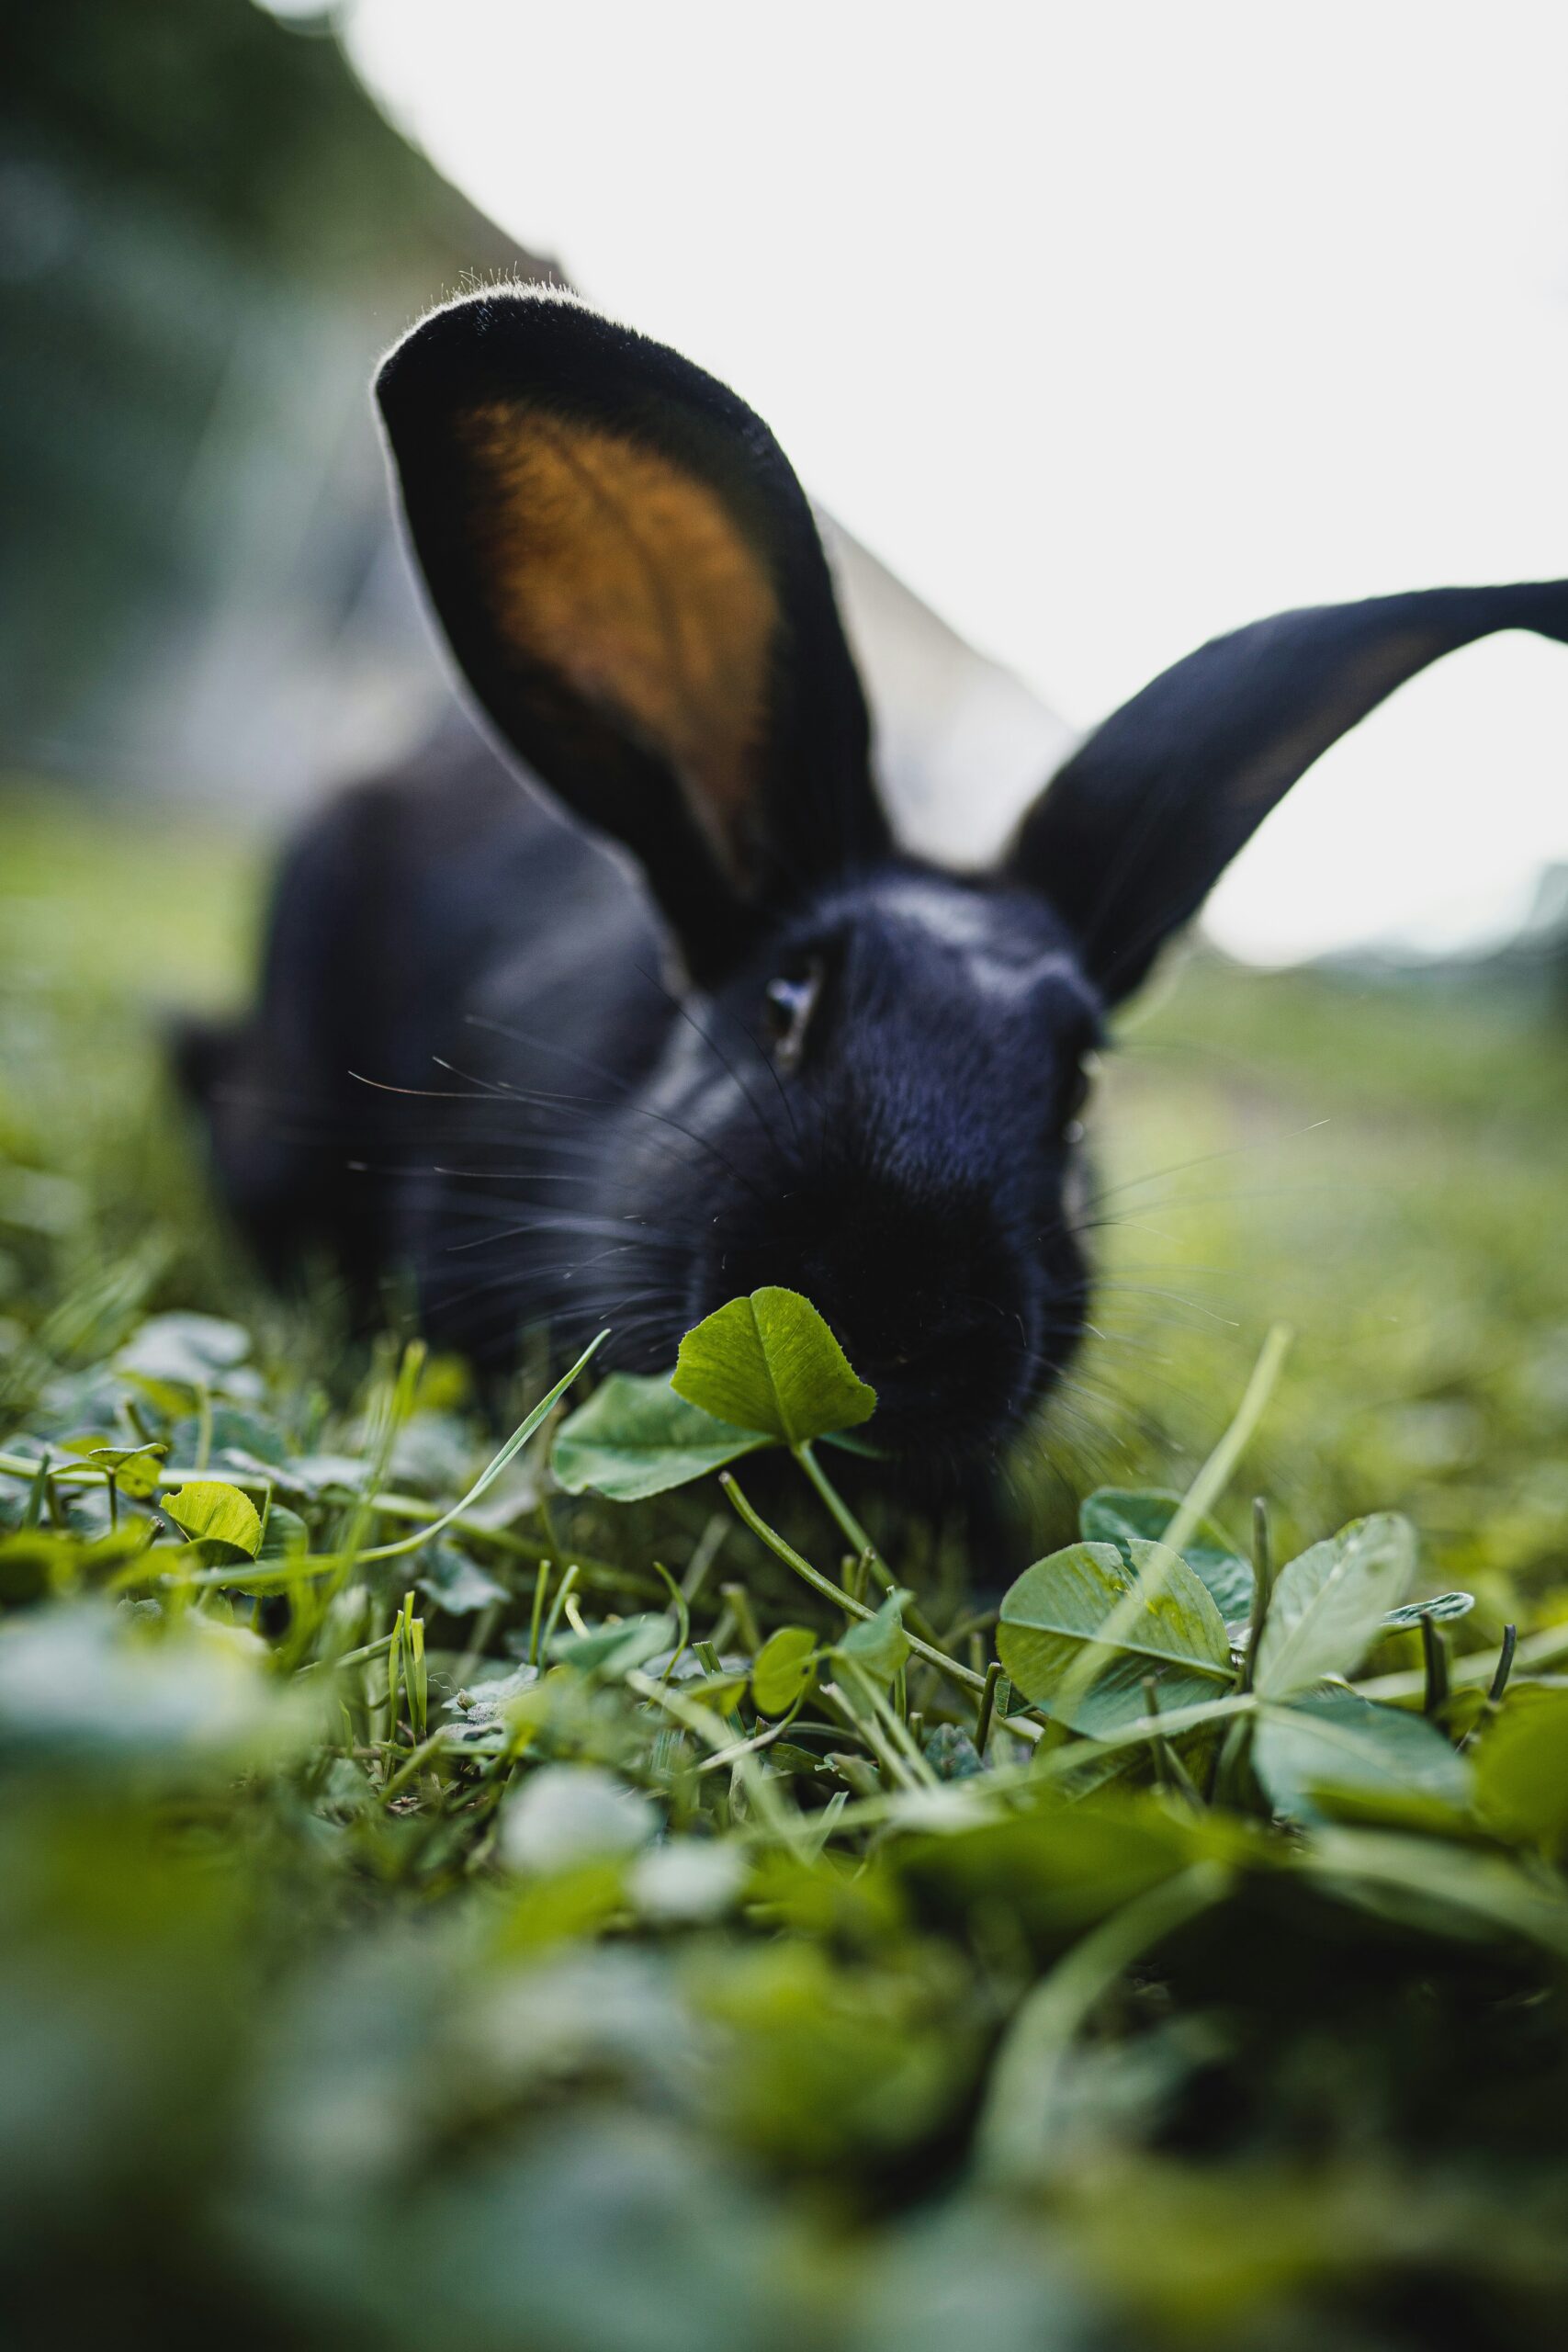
column 817, row 810
column 491, row 1050
column 1140, row 824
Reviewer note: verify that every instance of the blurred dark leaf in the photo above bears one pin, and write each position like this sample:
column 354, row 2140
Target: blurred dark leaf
column 453, row 1582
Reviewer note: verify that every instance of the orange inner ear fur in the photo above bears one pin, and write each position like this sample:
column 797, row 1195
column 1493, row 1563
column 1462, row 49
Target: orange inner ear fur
column 630, row 581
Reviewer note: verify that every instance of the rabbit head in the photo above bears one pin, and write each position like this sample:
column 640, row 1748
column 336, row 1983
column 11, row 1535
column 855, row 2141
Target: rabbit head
column 879, row 1066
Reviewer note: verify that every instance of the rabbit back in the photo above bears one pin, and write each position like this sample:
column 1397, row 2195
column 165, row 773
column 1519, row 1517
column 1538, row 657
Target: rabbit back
column 443, row 953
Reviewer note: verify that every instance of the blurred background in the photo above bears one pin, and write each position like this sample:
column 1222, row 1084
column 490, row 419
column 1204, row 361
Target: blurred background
column 1103, row 329
column 206, row 233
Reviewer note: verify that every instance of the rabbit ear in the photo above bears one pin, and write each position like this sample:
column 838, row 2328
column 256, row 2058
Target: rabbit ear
column 1129, row 837
column 630, row 576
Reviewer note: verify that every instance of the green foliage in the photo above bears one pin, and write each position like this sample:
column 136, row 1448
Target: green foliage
column 1521, row 1769
column 776, row 1993
column 769, row 1363
column 637, row 1437
column 134, row 1469
column 784, row 1669
column 206, row 1507
column 1123, row 1517
column 482, row 1911
column 878, row 1646
column 1081, row 1633
column 1331, row 1742
column 1442, row 1609
column 1329, row 1604
column 764, row 1370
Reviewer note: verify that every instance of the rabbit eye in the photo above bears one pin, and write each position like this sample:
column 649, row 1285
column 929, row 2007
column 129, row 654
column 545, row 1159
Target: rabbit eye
column 788, row 1004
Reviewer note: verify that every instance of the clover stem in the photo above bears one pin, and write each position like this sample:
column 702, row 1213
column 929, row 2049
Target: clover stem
column 1435, row 1657
column 541, row 1583
column 36, row 1493
column 563, row 1591
column 987, row 1701
column 836, row 1594
column 870, row 1558
column 1504, row 1664
column 1262, row 1590
column 740, row 1600
column 848, row 1523
column 1499, row 1683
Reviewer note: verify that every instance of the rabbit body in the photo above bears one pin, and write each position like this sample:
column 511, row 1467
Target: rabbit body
column 469, row 1062
column 678, row 1018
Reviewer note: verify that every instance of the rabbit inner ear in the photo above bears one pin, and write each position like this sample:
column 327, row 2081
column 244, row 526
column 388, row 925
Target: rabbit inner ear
column 628, row 580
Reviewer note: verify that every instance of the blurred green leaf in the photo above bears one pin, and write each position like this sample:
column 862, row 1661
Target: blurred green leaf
column 1521, row 1769
column 1053, row 1617
column 769, row 1363
column 1328, row 1604
column 636, row 1436
column 39, row 1202
column 616, row 1649
column 455, row 1583
column 1442, row 1609
column 284, row 1536
column 212, row 1513
column 186, row 1350
column 783, row 1669
column 1331, row 1741
column 718, row 1692
column 139, row 1473
column 1126, row 1515
column 821, row 2063
column 41, row 1559
column 136, row 1468
column 82, row 1683
column 1061, row 1868
column 878, row 1646
column 952, row 1754
column 1432, row 1885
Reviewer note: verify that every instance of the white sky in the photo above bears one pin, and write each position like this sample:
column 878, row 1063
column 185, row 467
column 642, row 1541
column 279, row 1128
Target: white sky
column 1108, row 326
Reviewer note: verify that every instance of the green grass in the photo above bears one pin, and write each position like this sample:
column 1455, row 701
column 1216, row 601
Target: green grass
column 360, row 1985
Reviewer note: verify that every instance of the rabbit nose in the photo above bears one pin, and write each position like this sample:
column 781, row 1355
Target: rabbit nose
column 939, row 1355
column 929, row 1309
column 954, row 1380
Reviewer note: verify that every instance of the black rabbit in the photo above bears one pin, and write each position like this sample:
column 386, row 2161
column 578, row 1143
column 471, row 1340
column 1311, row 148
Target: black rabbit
column 708, row 1028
